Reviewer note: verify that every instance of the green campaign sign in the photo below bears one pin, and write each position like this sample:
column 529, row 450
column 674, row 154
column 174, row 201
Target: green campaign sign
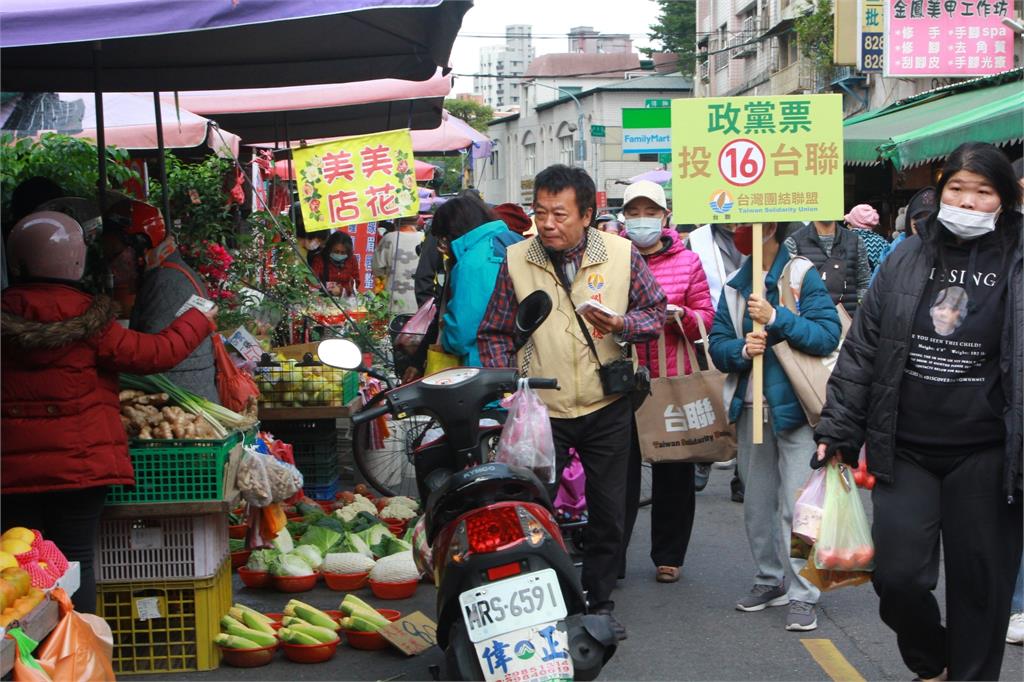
column 757, row 159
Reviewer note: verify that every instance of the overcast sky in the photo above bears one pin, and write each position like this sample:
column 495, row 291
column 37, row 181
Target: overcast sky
column 548, row 17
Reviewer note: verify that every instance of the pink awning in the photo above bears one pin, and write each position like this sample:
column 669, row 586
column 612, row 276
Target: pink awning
column 452, row 135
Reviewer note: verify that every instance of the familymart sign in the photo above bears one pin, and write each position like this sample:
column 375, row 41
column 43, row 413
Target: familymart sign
column 647, row 131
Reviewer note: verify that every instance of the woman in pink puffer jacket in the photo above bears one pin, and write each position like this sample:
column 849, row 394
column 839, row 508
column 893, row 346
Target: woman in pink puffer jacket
column 680, row 274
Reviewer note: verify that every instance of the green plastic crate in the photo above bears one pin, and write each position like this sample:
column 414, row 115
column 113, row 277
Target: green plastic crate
column 176, row 471
column 350, row 387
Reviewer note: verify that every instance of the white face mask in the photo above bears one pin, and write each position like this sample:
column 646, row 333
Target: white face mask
column 643, row 232
column 965, row 223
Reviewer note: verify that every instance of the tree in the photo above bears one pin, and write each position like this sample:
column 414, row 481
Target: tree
column 676, row 31
column 448, row 176
column 815, row 36
column 476, row 115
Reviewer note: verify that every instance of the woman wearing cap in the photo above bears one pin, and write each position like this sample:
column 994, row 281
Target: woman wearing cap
column 63, row 440
column 680, row 274
column 863, row 219
column 930, row 377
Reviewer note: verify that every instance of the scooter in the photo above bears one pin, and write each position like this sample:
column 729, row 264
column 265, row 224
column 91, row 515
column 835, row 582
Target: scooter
column 509, row 599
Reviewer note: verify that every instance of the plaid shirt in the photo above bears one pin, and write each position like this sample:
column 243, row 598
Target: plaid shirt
column 643, row 321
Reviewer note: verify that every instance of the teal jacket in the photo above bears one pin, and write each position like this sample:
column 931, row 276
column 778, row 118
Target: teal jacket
column 478, row 255
column 814, row 331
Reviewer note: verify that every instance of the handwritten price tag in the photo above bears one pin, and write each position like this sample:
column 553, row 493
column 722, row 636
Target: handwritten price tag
column 413, row 634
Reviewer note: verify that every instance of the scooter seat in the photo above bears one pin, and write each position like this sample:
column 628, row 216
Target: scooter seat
column 481, row 486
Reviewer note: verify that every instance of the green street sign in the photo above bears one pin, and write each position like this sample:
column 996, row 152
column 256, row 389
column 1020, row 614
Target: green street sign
column 657, row 103
column 665, row 158
column 597, row 131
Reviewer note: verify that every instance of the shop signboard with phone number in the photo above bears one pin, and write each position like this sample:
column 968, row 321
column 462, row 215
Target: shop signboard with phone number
column 757, row 159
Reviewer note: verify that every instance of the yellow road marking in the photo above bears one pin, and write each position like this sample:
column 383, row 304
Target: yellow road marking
column 835, row 665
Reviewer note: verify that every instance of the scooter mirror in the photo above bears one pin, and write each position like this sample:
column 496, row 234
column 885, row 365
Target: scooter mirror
column 533, row 310
column 340, row 353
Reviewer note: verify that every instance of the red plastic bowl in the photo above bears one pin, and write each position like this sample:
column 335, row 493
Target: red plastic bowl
column 248, row 658
column 251, row 578
column 402, row 590
column 390, row 614
column 346, row 582
column 310, row 653
column 291, row 583
column 237, row 532
column 367, row 641
column 240, row 558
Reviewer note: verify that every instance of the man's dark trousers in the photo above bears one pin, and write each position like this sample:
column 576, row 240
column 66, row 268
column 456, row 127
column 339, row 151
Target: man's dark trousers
column 602, row 440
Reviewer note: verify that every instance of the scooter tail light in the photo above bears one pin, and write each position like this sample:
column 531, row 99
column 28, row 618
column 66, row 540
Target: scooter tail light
column 491, row 529
column 496, row 573
column 533, row 529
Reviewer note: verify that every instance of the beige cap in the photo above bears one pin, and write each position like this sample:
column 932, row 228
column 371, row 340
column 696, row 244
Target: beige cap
column 645, row 188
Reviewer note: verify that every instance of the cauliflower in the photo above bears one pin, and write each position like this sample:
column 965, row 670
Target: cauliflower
column 404, row 501
column 397, row 511
column 362, row 504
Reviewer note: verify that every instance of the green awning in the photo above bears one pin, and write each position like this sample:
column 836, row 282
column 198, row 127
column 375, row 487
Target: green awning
column 929, row 127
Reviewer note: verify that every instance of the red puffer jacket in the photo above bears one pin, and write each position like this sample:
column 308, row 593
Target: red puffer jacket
column 679, row 272
column 62, row 350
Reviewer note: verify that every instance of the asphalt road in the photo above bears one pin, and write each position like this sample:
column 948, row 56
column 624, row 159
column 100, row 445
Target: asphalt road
column 683, row 631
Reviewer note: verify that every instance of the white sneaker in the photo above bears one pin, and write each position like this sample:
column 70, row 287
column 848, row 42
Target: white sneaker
column 724, row 465
column 1015, row 632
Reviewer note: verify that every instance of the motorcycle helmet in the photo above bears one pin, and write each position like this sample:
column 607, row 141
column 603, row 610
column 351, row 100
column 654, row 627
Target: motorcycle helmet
column 47, row 245
column 141, row 224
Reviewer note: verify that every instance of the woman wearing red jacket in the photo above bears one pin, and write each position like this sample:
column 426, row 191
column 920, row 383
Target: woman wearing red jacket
column 680, row 274
column 62, row 438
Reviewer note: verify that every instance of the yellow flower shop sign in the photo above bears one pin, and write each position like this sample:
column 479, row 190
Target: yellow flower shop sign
column 757, row 159
column 360, row 179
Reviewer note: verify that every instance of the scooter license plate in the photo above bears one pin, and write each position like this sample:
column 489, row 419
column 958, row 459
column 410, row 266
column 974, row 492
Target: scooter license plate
column 512, row 604
column 539, row 654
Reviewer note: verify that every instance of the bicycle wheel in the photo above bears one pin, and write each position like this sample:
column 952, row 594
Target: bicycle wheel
column 646, row 493
column 390, row 469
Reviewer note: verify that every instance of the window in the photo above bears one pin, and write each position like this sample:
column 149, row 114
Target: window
column 565, row 154
column 720, row 58
column 648, row 157
column 495, row 170
column 788, row 53
column 529, row 159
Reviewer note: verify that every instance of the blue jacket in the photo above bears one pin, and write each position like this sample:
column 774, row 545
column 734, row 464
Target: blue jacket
column 814, row 331
column 478, row 255
column 900, row 238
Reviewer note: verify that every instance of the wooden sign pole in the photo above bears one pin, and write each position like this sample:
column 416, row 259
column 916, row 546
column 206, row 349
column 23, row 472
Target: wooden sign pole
column 757, row 375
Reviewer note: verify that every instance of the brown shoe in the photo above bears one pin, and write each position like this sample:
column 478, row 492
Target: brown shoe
column 667, row 574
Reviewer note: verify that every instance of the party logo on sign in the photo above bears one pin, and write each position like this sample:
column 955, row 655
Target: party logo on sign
column 595, row 282
column 525, row 650
column 721, row 201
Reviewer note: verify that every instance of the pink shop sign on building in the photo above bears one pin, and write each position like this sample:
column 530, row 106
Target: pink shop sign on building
column 949, row 38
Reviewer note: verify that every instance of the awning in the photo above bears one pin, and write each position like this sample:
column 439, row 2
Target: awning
column 932, row 125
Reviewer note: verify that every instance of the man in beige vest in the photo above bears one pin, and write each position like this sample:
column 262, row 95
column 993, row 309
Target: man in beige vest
column 574, row 263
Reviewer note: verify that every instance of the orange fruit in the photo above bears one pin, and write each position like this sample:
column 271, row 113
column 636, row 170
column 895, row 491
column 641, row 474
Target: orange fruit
column 19, row 533
column 18, row 578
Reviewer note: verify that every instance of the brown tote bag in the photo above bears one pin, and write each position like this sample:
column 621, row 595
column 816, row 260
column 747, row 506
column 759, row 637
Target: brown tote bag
column 807, row 374
column 685, row 418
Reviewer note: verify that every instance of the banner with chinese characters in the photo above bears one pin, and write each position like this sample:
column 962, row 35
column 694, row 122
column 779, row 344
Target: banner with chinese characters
column 954, row 38
column 871, row 36
column 757, row 159
column 364, row 244
column 356, row 180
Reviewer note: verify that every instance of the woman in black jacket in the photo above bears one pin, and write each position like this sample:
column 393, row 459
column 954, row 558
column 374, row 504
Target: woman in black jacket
column 930, row 378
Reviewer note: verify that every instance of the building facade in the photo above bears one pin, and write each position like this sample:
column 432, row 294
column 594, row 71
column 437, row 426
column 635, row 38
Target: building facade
column 501, row 65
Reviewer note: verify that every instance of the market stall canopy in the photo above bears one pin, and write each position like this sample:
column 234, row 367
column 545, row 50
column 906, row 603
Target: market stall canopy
column 167, row 46
column 130, row 121
column 266, row 115
column 452, row 135
column 931, row 125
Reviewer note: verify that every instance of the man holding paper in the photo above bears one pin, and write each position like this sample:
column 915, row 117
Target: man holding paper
column 575, row 263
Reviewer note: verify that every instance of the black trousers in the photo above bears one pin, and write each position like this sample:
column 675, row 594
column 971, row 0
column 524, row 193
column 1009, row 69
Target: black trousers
column 602, row 440
column 673, row 505
column 71, row 519
column 961, row 500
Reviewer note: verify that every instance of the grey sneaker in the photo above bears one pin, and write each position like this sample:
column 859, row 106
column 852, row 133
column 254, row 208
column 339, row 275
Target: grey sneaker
column 701, row 474
column 802, row 617
column 763, row 596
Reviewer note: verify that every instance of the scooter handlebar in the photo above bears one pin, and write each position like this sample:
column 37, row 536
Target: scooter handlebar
column 367, row 415
column 545, row 383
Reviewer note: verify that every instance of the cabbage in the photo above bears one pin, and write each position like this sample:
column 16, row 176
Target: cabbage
column 393, row 545
column 290, row 565
column 321, row 538
column 260, row 559
column 376, row 539
column 354, row 543
column 310, row 554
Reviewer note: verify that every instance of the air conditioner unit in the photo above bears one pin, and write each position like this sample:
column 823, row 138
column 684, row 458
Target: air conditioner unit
column 705, row 72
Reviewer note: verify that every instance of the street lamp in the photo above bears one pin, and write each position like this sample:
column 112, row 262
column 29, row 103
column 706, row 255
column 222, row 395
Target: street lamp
column 581, row 146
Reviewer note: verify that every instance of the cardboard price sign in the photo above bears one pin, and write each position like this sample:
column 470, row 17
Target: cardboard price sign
column 412, row 634
column 757, row 159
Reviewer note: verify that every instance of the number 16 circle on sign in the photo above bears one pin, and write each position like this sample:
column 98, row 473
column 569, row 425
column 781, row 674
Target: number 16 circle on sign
column 741, row 162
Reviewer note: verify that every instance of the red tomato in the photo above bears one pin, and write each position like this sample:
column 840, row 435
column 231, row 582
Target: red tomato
column 863, row 555
column 859, row 478
column 826, row 558
column 869, row 483
column 845, row 560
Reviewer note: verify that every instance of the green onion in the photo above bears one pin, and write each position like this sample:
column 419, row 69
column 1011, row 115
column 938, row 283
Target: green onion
column 220, row 418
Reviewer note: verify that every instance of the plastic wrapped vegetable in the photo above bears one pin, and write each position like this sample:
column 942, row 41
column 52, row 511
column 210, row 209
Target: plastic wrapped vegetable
column 310, row 554
column 290, row 565
column 346, row 563
column 397, row 568
column 285, row 480
column 253, row 480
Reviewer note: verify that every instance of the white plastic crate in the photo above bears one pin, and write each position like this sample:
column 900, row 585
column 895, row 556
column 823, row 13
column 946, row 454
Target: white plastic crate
column 176, row 548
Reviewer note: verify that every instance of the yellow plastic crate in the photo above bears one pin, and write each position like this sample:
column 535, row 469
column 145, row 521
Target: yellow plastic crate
column 167, row 625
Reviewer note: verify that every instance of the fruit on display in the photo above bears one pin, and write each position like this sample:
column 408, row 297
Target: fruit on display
column 7, row 560
column 15, row 546
column 292, row 383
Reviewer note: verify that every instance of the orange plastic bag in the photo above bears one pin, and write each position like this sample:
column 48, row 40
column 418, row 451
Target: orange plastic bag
column 79, row 648
column 26, row 667
column 234, row 387
column 272, row 520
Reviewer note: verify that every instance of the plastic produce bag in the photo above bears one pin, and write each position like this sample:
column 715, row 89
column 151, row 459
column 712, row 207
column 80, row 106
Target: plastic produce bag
column 526, row 440
column 253, row 480
column 79, row 648
column 809, row 506
column 26, row 667
column 413, row 332
column 235, row 388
